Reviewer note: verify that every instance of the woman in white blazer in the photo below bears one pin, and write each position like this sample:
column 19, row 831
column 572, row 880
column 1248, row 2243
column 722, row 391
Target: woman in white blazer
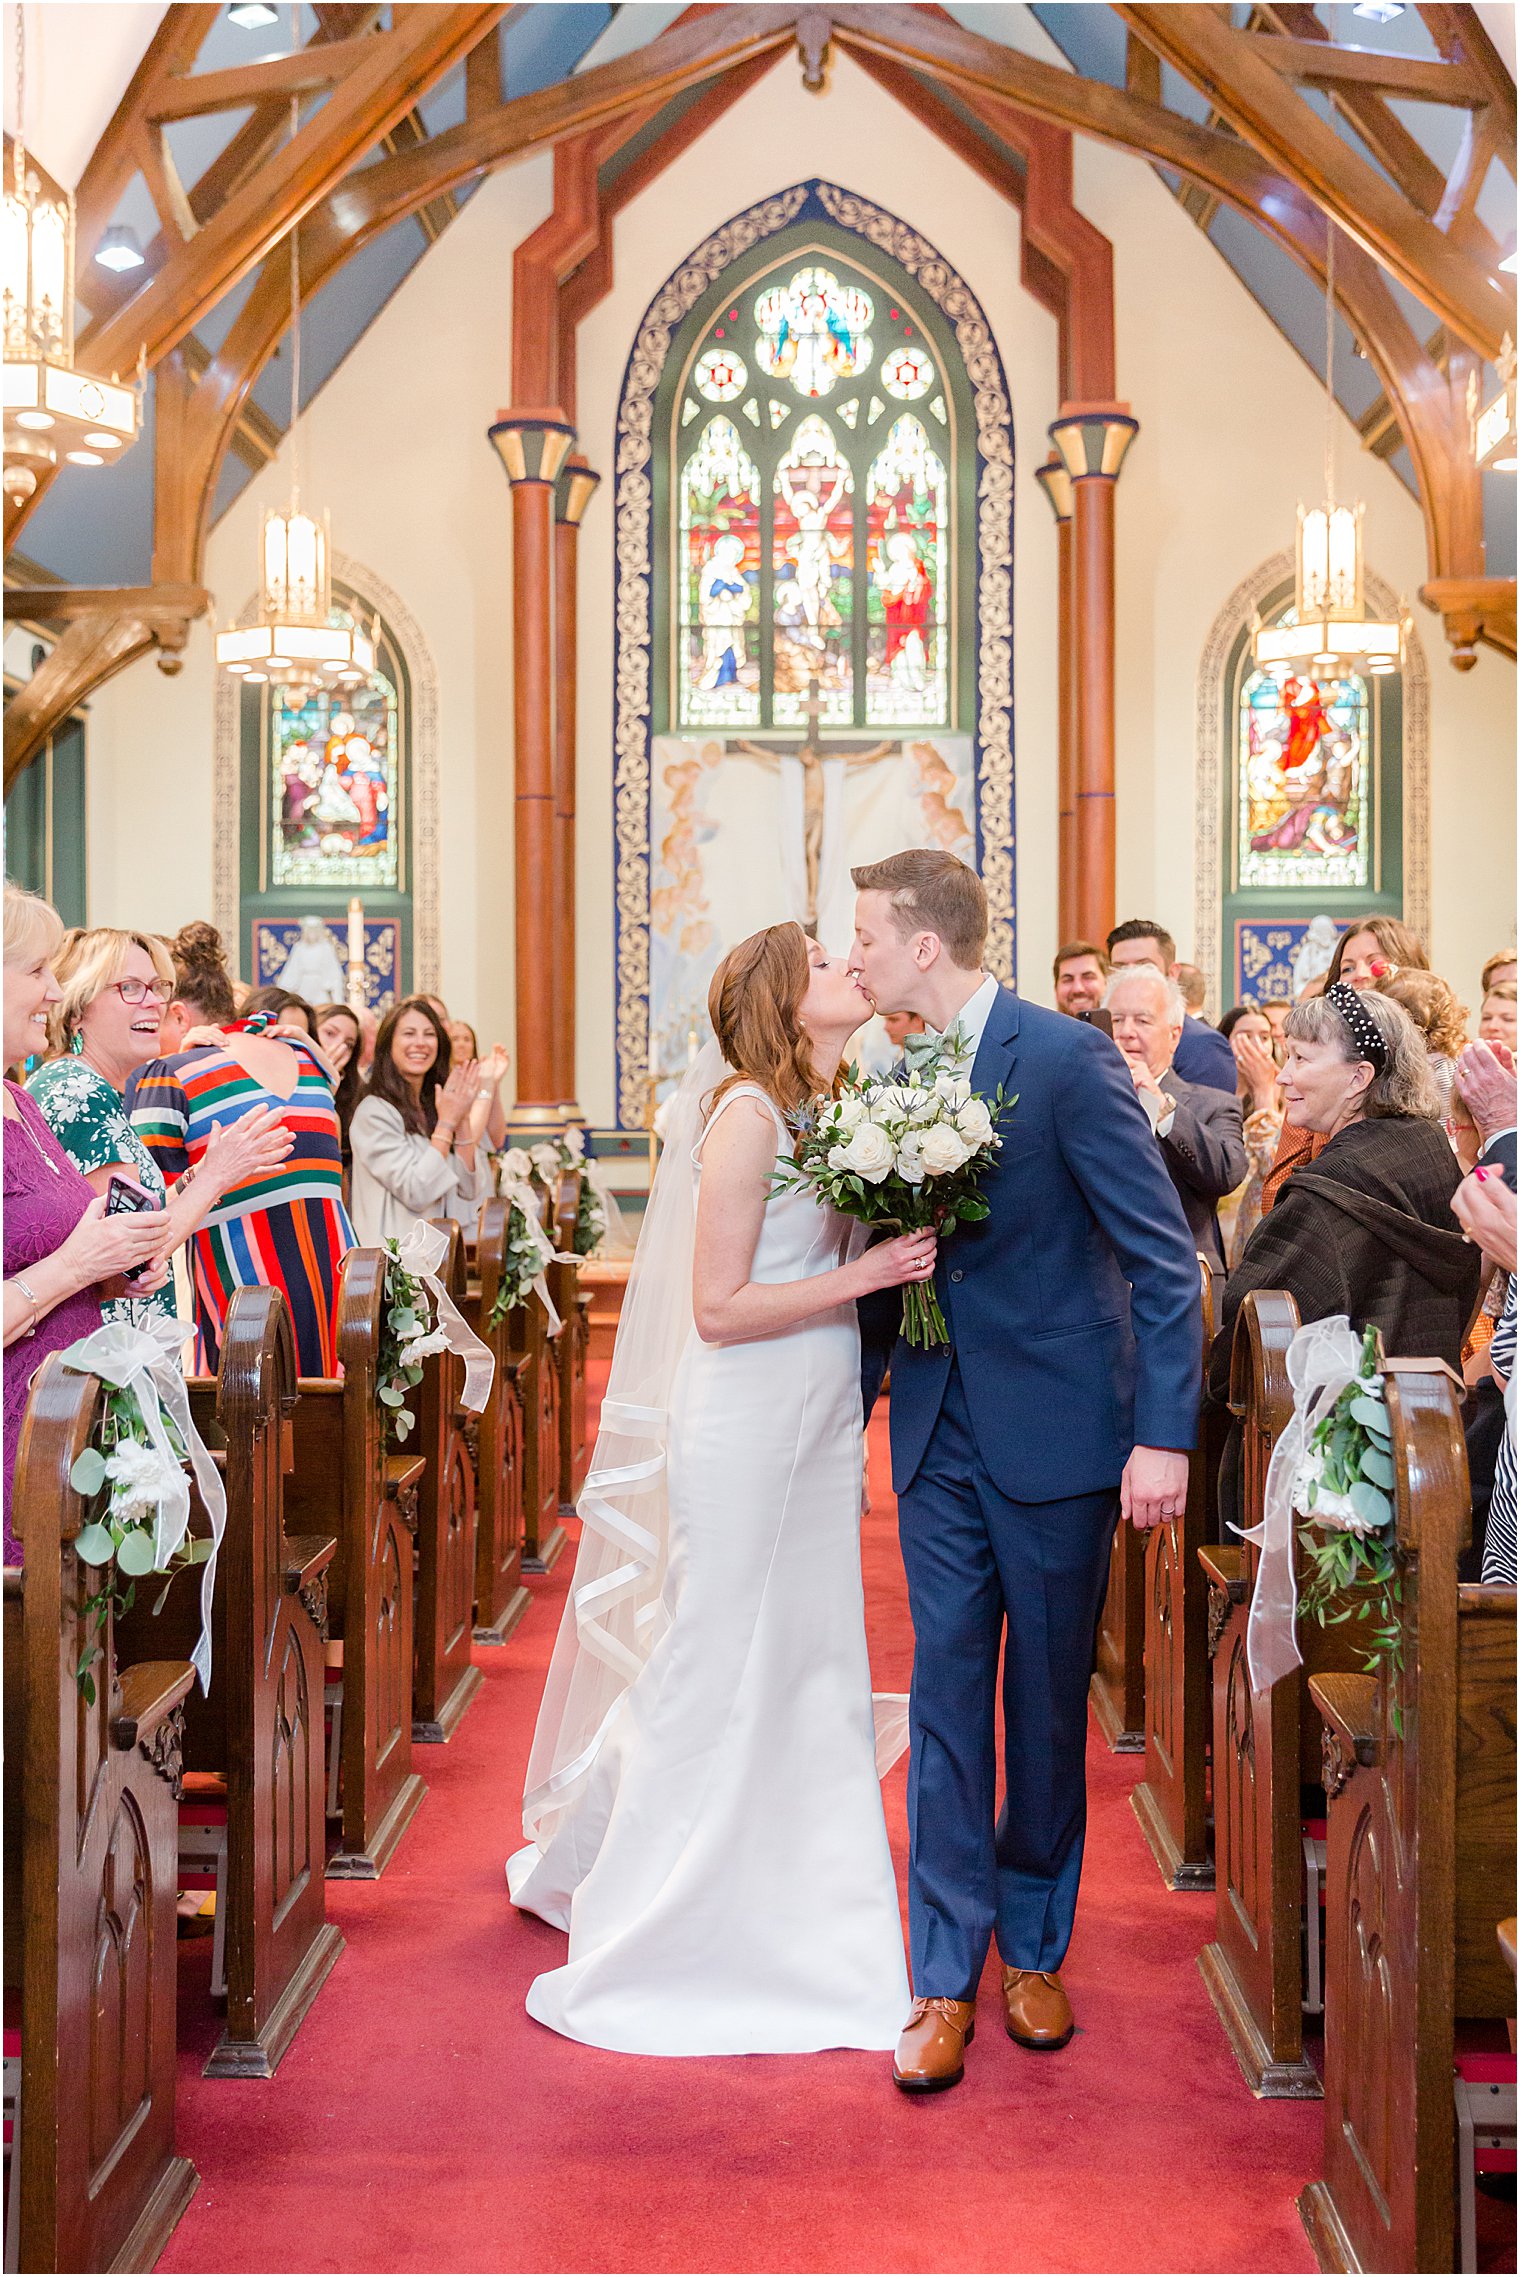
column 416, row 1133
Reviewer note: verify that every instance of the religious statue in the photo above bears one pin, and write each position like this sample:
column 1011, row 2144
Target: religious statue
column 724, row 599
column 1312, row 957
column 812, row 758
column 313, row 969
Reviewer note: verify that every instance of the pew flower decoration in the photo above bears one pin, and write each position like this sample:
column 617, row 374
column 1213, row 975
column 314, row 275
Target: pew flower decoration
column 1343, row 1493
column 527, row 1254
column 407, row 1337
column 594, row 1214
column 903, row 1154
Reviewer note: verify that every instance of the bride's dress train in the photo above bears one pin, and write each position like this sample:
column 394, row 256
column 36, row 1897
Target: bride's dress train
column 724, row 1870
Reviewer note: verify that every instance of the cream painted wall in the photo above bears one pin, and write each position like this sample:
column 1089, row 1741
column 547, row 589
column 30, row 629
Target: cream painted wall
column 1230, row 438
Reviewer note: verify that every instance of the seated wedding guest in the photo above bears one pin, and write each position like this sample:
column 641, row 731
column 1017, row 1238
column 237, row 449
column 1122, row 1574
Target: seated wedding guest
column 1203, row 1056
column 1432, row 1004
column 1501, row 966
column 1195, row 991
column 1486, row 1207
column 1370, row 951
column 288, row 1228
column 1276, row 1010
column 338, row 1037
column 1251, row 1038
column 416, row 1133
column 464, row 1047
column 64, row 1258
column 369, row 1028
column 1366, row 1229
column 114, row 985
column 1080, row 972
column 1496, row 1020
column 289, row 1011
column 1198, row 1130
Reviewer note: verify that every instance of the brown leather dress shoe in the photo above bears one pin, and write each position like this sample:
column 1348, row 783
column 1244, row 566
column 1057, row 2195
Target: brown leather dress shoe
column 1037, row 2010
column 929, row 2054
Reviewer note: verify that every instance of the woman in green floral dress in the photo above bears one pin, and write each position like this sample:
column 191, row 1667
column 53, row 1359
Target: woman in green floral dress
column 115, row 984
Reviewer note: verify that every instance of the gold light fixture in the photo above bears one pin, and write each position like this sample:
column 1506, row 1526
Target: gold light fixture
column 294, row 641
column 1493, row 428
column 52, row 411
column 1330, row 632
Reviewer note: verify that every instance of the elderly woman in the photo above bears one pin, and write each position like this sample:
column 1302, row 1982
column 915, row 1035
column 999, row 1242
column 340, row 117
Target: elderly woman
column 113, row 986
column 1367, row 1229
column 416, row 1134
column 64, row 1257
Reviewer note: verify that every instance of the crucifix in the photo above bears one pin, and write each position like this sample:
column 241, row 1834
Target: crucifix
column 811, row 758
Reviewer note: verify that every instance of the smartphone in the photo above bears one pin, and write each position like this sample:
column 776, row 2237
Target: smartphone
column 125, row 1194
column 1100, row 1018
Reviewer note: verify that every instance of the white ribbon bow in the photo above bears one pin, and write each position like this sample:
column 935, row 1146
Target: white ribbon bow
column 420, row 1252
column 616, row 1240
column 146, row 1361
column 524, row 1200
column 1323, row 1358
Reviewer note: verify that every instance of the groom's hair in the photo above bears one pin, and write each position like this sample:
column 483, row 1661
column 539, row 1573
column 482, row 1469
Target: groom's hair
column 931, row 892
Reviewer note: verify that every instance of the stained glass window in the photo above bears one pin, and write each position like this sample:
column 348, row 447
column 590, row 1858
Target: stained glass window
column 1302, row 772
column 334, row 794
column 813, row 519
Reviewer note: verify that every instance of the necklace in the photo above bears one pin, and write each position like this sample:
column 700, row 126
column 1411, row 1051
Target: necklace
column 33, row 1140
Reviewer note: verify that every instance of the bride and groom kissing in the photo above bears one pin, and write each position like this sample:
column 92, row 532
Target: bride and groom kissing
column 703, row 1804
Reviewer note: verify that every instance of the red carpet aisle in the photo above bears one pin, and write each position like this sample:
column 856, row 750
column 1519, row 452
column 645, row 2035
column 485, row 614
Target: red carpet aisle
column 421, row 2122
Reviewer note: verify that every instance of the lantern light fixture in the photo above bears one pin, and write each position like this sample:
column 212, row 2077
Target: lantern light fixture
column 119, row 249
column 1330, row 632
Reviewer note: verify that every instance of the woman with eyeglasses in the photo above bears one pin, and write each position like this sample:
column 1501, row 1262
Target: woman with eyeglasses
column 114, row 987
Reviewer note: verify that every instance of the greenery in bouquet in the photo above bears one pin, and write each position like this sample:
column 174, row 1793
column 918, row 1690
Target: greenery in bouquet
column 1348, row 1555
column 903, row 1153
column 407, row 1338
column 125, row 1478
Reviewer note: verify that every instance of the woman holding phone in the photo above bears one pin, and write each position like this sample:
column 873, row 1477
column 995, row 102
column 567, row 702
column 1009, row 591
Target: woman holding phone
column 113, row 988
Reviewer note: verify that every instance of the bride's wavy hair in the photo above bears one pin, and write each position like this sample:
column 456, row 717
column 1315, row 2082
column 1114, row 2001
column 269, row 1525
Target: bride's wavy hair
column 755, row 1006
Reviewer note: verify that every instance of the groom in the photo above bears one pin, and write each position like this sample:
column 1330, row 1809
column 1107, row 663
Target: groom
column 1071, row 1393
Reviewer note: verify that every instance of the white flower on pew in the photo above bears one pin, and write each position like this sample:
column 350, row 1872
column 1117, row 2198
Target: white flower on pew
column 422, row 1346
column 546, row 1160
column 516, row 1166
column 574, row 1142
column 141, row 1478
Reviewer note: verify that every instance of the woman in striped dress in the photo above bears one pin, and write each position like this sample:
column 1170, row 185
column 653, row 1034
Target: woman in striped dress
column 287, row 1228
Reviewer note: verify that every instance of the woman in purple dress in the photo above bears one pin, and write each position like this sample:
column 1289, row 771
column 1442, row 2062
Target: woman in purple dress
column 63, row 1255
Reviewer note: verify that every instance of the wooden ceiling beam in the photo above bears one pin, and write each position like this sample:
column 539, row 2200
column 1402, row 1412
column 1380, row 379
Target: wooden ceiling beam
column 113, row 162
column 1380, row 130
column 1461, row 38
column 1227, row 67
column 1325, row 63
column 93, row 649
column 306, row 71
column 62, row 604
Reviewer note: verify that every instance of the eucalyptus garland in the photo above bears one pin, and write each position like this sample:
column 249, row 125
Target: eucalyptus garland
column 407, row 1338
column 521, row 1265
column 1350, row 1566
column 124, row 1478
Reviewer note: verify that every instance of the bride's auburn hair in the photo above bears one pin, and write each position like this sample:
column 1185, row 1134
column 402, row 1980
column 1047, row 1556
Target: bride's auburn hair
column 755, row 1006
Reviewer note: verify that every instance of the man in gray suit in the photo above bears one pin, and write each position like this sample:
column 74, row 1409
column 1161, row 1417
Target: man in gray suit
column 1197, row 1128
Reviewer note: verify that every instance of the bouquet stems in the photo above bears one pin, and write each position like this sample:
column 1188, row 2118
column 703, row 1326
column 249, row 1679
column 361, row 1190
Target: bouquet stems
column 923, row 1323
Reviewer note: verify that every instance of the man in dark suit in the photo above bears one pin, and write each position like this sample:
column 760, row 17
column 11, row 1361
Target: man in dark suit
column 1198, row 1130
column 1203, row 1055
column 1071, row 1392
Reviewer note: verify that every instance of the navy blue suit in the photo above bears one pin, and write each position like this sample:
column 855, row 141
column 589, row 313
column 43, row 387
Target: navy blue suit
column 1073, row 1312
column 1204, row 1056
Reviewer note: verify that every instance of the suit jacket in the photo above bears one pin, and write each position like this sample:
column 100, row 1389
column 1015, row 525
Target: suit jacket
column 1073, row 1305
column 1204, row 1056
column 1205, row 1153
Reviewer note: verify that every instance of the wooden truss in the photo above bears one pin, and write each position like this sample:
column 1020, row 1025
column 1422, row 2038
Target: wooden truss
column 1266, row 151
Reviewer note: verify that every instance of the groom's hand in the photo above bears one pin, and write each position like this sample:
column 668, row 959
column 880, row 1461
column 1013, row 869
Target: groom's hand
column 1154, row 1486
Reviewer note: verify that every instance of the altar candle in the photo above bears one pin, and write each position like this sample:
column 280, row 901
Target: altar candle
column 356, row 931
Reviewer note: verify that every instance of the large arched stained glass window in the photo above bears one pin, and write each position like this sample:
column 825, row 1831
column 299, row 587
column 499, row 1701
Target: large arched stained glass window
column 814, row 520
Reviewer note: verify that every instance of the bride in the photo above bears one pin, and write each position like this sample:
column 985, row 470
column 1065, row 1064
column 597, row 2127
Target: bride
column 703, row 1805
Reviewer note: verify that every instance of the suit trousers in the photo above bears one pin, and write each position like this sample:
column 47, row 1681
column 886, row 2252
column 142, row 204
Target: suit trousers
column 978, row 1564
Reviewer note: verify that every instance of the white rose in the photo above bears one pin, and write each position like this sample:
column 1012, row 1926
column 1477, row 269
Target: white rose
column 574, row 1141
column 849, row 1112
column 944, row 1150
column 838, row 1157
column 1339, row 1512
column 418, row 1348
column 891, row 1102
column 926, row 1106
column 953, row 1089
column 516, row 1165
column 974, row 1123
column 869, row 1153
column 139, row 1477
column 546, row 1161
column 910, row 1159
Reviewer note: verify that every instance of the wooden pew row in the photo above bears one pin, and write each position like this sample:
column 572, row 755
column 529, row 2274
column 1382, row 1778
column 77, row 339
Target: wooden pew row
column 90, row 1883
column 501, row 1597
column 1171, row 1801
column 1419, row 1766
column 445, row 1679
column 345, row 1478
column 573, row 1304
column 1264, row 1753
column 1117, row 1690
column 253, row 1748
column 535, row 1353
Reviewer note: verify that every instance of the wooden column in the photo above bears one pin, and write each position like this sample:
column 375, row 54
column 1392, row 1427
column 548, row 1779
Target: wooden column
column 1091, row 440
column 572, row 495
column 533, row 446
column 1056, row 484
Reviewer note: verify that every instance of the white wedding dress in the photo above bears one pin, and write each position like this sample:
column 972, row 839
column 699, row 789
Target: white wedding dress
column 724, row 1870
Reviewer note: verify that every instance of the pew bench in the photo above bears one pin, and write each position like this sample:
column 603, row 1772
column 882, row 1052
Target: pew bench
column 501, row 1595
column 444, row 1678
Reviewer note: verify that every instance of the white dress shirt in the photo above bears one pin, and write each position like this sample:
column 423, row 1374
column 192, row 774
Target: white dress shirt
column 972, row 1021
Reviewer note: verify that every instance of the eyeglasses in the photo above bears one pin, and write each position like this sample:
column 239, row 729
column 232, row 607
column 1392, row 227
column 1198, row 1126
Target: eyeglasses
column 141, row 991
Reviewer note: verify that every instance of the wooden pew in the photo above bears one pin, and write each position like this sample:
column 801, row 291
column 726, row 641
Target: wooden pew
column 573, row 1304
column 533, row 1350
column 256, row 1740
column 501, row 1596
column 1171, row 1801
column 90, row 1883
column 445, row 1679
column 1265, row 1752
column 1117, row 1690
column 1421, row 1862
column 346, row 1477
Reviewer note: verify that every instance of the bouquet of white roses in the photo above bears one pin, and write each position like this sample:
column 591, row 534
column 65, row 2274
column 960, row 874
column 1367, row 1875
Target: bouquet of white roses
column 904, row 1153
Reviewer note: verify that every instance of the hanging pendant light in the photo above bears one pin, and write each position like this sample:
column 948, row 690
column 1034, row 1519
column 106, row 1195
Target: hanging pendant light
column 293, row 640
column 1331, row 633
column 52, row 411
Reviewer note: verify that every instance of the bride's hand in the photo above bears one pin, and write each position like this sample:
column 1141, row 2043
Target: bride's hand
column 911, row 1257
